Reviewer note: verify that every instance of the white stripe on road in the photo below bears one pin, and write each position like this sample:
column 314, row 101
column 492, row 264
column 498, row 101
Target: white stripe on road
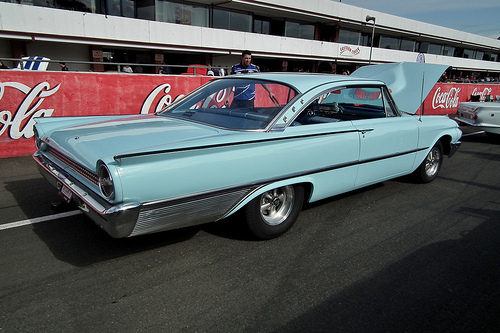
column 38, row 220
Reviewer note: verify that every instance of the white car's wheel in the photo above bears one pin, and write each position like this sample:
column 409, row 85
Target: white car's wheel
column 272, row 213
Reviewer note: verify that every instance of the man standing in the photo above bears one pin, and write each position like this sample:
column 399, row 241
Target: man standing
column 244, row 96
column 245, row 66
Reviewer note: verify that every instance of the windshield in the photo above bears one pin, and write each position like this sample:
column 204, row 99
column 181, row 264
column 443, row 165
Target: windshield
column 235, row 103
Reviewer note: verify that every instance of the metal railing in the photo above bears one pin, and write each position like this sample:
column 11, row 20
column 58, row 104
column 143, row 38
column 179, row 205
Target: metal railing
column 118, row 65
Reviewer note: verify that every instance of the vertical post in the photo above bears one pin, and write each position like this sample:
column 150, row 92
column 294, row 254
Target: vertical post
column 368, row 19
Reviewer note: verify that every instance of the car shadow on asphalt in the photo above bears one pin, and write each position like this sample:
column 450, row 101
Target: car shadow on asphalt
column 448, row 286
column 77, row 240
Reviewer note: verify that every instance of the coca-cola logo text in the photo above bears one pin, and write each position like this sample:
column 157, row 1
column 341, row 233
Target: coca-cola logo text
column 486, row 92
column 446, row 100
column 164, row 100
column 19, row 123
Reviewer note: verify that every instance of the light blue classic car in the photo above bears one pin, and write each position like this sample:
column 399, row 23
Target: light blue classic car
column 263, row 143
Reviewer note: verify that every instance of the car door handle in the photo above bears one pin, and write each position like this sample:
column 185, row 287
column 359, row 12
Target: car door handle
column 363, row 131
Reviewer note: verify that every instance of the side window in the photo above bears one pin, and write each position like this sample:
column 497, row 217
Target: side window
column 348, row 103
column 323, row 109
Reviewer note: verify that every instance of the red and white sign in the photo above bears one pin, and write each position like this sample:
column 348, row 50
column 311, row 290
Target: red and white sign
column 25, row 95
column 445, row 97
column 348, row 51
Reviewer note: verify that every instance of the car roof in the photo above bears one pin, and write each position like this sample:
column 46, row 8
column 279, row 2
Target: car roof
column 304, row 81
column 409, row 83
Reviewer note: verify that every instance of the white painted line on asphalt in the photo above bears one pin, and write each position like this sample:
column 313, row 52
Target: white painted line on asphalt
column 39, row 219
column 475, row 133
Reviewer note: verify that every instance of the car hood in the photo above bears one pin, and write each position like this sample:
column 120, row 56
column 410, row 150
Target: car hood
column 96, row 139
column 409, row 83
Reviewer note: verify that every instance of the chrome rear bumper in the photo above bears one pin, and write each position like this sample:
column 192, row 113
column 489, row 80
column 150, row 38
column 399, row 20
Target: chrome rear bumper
column 118, row 221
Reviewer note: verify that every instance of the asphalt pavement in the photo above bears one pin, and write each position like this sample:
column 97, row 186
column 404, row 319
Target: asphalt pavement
column 394, row 257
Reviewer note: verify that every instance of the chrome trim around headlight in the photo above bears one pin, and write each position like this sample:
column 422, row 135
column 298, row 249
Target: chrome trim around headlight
column 117, row 220
column 37, row 138
column 106, row 182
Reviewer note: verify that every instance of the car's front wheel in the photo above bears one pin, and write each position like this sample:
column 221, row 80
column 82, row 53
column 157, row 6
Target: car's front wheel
column 273, row 212
column 429, row 169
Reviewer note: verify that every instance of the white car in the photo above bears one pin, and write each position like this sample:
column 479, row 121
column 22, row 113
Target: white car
column 482, row 115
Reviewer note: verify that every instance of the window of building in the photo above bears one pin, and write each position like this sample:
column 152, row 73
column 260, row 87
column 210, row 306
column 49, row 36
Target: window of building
column 262, row 26
column 327, row 33
column 78, row 5
column 459, row 52
column 128, row 8
column 408, row 45
column 448, row 51
column 145, row 9
column 125, row 8
column 365, row 39
column 435, row 49
column 423, row 47
column 387, row 42
column 179, row 13
column 299, row 30
column 224, row 19
column 431, row 48
column 468, row 54
column 489, row 56
column 349, row 36
column 479, row 55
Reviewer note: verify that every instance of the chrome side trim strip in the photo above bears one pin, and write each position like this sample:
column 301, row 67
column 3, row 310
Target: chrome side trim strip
column 187, row 212
column 117, row 157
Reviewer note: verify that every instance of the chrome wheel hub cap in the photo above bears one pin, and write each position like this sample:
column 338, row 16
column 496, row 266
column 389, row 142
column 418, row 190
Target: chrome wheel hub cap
column 432, row 162
column 276, row 205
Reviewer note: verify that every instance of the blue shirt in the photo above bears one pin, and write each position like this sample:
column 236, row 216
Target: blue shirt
column 244, row 93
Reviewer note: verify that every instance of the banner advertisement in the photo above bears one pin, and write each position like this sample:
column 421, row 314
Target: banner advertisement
column 25, row 95
column 445, row 97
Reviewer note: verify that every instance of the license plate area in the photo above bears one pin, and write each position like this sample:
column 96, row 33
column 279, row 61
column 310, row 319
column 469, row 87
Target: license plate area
column 65, row 193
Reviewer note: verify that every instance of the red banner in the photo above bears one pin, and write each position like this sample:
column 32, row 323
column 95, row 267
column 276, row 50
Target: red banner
column 445, row 97
column 25, row 95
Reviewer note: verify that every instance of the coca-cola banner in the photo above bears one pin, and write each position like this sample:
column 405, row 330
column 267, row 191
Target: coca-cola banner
column 445, row 97
column 25, row 95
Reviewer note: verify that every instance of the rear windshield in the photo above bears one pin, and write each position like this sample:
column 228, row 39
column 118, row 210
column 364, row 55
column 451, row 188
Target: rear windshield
column 235, row 103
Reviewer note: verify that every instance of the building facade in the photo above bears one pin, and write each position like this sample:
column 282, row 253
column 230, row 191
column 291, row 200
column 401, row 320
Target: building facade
column 292, row 35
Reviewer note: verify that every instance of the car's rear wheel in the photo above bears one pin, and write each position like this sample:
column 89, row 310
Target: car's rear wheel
column 273, row 212
column 429, row 169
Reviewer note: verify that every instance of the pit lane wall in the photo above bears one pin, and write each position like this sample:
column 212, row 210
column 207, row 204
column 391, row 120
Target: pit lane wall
column 25, row 95
column 444, row 98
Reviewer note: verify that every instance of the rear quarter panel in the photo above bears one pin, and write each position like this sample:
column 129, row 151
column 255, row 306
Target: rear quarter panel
column 295, row 155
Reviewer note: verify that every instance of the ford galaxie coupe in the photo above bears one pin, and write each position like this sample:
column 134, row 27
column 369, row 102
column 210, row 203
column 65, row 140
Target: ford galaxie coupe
column 301, row 138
